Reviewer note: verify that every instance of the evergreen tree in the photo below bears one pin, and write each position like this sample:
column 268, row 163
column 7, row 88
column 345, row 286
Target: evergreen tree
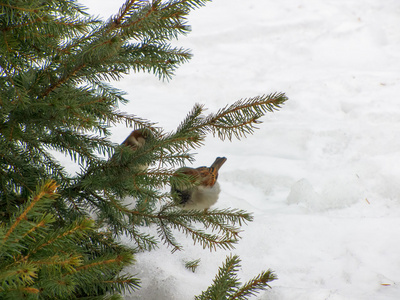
column 58, row 231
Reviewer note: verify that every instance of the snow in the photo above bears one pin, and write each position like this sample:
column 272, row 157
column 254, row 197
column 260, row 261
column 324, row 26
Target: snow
column 322, row 175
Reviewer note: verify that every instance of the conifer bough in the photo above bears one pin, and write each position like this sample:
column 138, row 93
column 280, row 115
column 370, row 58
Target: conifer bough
column 58, row 230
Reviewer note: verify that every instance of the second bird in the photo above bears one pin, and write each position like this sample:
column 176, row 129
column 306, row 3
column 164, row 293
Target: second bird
column 136, row 139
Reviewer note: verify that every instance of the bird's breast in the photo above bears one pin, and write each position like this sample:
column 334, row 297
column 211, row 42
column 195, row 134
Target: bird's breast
column 203, row 197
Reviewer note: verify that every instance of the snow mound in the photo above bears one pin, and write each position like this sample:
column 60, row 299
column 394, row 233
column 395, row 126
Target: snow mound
column 338, row 193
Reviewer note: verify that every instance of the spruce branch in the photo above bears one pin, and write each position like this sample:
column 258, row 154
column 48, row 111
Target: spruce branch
column 35, row 226
column 16, row 274
column 161, row 60
column 131, row 121
column 239, row 119
column 165, row 233
column 193, row 121
column 253, row 286
column 47, row 191
column 226, row 284
column 143, row 241
column 69, row 262
column 57, row 261
column 206, row 240
column 235, row 120
column 234, row 216
column 58, row 237
column 121, row 220
column 20, row 8
column 101, row 263
column 135, row 20
column 223, row 222
column 192, row 264
column 122, row 284
column 169, row 218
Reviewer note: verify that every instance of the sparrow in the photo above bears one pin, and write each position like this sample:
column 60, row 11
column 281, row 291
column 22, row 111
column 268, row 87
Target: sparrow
column 204, row 189
column 136, row 139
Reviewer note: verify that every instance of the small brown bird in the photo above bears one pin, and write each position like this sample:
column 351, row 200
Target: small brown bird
column 137, row 138
column 205, row 189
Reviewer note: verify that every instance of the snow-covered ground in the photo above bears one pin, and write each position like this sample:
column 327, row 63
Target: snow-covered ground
column 322, row 176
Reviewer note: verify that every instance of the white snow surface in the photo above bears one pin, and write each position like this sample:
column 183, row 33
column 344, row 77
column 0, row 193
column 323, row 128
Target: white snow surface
column 321, row 176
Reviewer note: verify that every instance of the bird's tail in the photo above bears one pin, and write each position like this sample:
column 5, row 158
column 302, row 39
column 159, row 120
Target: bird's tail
column 217, row 164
